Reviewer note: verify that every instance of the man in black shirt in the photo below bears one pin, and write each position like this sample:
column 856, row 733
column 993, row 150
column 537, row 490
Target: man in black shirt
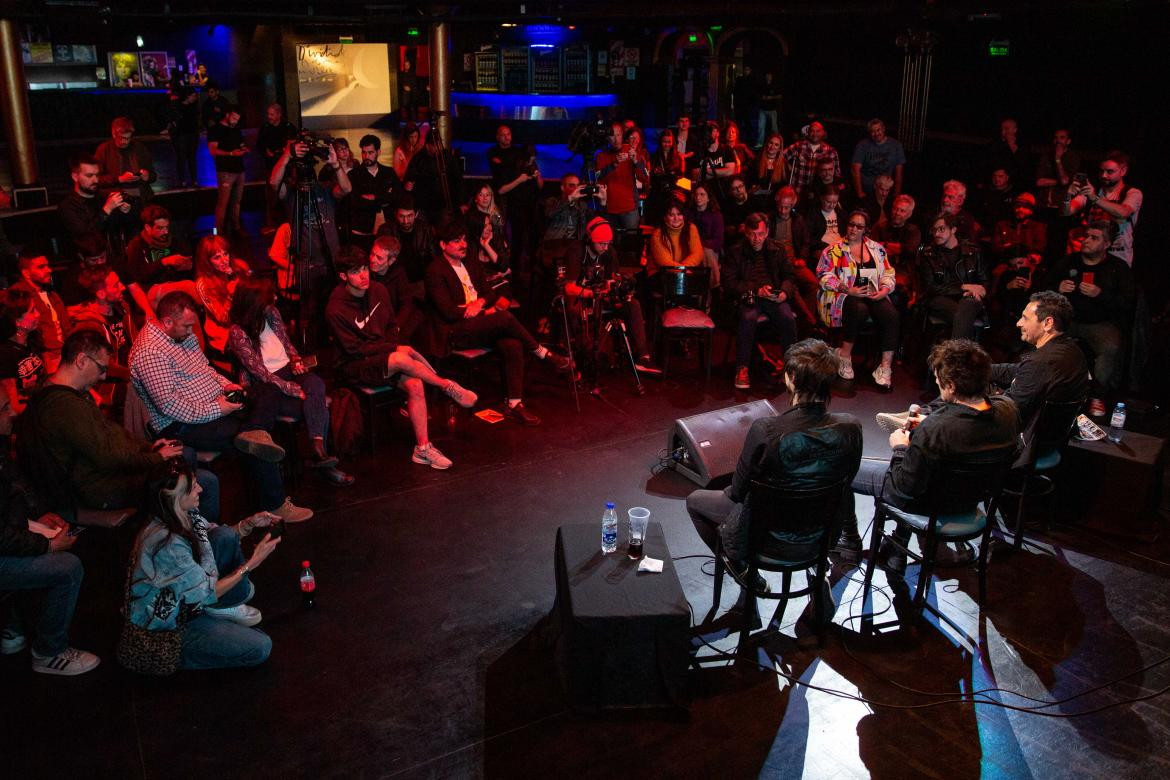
column 183, row 128
column 225, row 144
column 775, row 452
column 83, row 214
column 758, row 273
column 373, row 185
column 388, row 271
column 713, row 160
column 952, row 277
column 271, row 141
column 416, row 238
column 214, row 107
column 1100, row 287
column 735, row 209
column 517, row 182
column 364, row 326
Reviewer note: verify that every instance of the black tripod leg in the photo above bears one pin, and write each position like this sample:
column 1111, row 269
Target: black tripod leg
column 569, row 346
column 621, row 326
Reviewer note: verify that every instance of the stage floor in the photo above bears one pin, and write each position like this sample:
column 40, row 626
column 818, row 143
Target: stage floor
column 424, row 656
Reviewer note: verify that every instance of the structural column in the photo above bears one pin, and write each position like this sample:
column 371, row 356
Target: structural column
column 14, row 107
column 441, row 79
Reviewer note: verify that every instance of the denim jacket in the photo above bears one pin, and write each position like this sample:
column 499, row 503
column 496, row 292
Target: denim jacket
column 167, row 587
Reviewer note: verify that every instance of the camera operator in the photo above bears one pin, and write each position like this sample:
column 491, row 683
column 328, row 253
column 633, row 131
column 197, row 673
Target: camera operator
column 620, row 169
column 311, row 209
column 594, row 282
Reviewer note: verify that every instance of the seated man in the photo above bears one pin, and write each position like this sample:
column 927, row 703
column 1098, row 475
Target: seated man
column 36, row 278
column 968, row 427
column 386, row 270
column 33, row 562
column 770, row 454
column 1100, row 287
column 901, row 238
column 758, row 273
column 153, row 257
column 1018, row 245
column 75, row 456
column 363, row 324
column 952, row 278
column 187, row 400
column 469, row 313
column 589, row 276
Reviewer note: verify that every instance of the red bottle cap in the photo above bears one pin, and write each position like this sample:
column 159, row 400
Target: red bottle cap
column 305, row 564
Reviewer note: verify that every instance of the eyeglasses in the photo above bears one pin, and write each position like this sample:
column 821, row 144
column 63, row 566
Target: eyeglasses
column 859, row 226
column 102, row 367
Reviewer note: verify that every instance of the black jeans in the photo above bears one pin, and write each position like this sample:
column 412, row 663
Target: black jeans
column 504, row 332
column 778, row 315
column 961, row 313
column 218, row 435
column 884, row 314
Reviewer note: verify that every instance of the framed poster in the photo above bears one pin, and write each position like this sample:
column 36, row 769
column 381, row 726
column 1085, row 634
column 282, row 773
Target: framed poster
column 85, row 53
column 40, row 53
column 153, row 67
column 123, row 67
column 343, row 82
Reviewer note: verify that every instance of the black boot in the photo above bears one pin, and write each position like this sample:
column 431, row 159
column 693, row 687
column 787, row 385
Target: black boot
column 848, row 547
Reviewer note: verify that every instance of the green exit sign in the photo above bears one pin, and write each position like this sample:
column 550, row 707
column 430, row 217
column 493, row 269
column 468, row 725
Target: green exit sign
column 997, row 49
column 692, row 39
column 412, row 32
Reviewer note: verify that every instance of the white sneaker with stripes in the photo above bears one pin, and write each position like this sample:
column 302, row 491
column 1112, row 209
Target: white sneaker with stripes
column 68, row 663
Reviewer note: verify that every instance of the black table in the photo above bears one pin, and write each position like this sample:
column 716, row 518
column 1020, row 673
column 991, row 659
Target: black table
column 623, row 635
column 1114, row 488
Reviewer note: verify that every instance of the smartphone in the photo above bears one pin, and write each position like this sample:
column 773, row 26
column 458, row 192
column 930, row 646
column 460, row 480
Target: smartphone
column 236, row 396
column 275, row 530
column 1080, row 179
column 1087, row 277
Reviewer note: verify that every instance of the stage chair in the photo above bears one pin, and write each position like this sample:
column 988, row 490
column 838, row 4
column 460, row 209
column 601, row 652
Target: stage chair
column 954, row 515
column 791, row 530
column 1057, row 419
column 685, row 301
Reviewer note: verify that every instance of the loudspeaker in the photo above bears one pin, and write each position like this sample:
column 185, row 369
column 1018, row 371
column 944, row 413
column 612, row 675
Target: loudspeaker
column 706, row 446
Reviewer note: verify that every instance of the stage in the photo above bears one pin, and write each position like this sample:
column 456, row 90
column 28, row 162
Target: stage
column 427, row 654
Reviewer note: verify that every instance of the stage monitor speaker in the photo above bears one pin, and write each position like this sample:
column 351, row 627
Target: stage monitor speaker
column 706, row 447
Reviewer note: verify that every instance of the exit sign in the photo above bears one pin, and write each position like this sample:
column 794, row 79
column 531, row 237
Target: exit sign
column 997, row 49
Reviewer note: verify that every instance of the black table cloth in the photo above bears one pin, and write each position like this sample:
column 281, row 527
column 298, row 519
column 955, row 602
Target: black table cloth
column 622, row 635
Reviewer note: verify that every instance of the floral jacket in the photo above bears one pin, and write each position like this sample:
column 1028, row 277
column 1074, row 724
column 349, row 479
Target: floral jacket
column 837, row 270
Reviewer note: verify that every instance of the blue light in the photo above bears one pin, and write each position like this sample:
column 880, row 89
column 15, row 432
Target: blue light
column 542, row 46
column 529, row 107
column 545, row 34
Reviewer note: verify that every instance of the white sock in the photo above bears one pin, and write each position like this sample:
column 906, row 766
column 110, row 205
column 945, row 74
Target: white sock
column 540, row 352
column 513, row 403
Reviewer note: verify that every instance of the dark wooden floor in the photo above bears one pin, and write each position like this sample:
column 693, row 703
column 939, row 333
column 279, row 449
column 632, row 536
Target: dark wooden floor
column 425, row 655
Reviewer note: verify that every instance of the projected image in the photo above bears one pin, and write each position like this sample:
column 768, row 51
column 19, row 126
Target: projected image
column 343, row 80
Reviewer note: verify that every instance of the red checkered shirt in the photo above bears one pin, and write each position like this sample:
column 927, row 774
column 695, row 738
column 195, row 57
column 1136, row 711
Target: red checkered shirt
column 802, row 162
column 174, row 379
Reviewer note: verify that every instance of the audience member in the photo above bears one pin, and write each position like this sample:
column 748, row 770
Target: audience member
column 757, row 273
column 996, row 200
column 789, row 228
column 805, row 447
column 103, row 307
column 803, row 156
column 405, row 298
column 1017, row 247
column 36, row 278
column 215, row 106
column 216, row 275
column 954, row 195
column 713, row 160
column 856, row 281
column 704, row 214
column 155, row 258
column 1055, row 171
column 825, row 220
column 824, row 179
column 1008, row 154
column 517, row 181
column 407, row 148
column 620, row 170
column 684, row 142
column 22, row 368
column 189, row 577
column 769, row 171
column 1113, row 201
column 736, row 208
column 469, row 313
column 38, row 564
column 225, row 144
column 187, row 400
column 364, row 326
column 770, row 98
column 877, row 155
column 436, row 191
column 675, row 243
column 269, row 363
column 483, row 204
column 952, row 277
column 83, row 214
column 183, row 128
column 1100, row 287
column 901, row 239
column 371, row 188
column 271, row 141
column 744, row 157
column 126, row 164
column 879, row 202
column 666, row 164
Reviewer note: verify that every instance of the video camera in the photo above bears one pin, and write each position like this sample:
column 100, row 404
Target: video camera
column 319, row 145
column 589, row 136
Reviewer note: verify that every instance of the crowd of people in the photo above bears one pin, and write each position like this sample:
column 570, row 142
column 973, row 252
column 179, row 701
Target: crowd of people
column 389, row 270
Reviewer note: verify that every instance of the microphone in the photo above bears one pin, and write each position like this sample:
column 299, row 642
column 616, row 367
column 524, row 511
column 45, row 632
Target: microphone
column 914, row 409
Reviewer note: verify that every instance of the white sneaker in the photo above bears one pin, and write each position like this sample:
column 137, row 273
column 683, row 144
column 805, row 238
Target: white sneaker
column 884, row 377
column 241, row 613
column 12, row 642
column 429, row 455
column 845, row 367
column 460, row 395
column 892, row 421
column 67, row 663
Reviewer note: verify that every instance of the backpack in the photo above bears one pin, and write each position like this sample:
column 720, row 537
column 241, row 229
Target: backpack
column 345, row 422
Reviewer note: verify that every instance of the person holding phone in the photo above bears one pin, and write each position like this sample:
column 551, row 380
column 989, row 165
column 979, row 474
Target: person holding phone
column 1100, row 287
column 190, row 575
column 856, row 282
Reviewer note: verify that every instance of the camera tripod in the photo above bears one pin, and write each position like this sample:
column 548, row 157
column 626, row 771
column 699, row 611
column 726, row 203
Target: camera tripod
column 594, row 320
column 306, row 217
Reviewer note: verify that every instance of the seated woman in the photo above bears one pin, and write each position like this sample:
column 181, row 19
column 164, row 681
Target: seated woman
column 259, row 342
column 491, row 250
column 21, row 368
column 856, row 282
column 769, row 172
column 705, row 215
column 216, row 276
column 481, row 205
column 189, row 575
column 676, row 243
column 744, row 157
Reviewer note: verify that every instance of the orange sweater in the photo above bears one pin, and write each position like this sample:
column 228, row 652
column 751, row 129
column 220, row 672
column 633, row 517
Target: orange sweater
column 666, row 249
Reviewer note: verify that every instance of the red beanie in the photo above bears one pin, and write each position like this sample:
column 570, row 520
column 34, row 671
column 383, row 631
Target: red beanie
column 599, row 230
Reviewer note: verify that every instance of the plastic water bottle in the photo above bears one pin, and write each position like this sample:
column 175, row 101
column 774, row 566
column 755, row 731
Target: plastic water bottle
column 1117, row 423
column 308, row 586
column 609, row 528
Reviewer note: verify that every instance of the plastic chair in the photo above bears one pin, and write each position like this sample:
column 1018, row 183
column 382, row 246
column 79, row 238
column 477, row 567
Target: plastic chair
column 790, row 532
column 685, row 301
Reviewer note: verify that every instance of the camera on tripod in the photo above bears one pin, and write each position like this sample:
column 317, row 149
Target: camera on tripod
column 319, row 145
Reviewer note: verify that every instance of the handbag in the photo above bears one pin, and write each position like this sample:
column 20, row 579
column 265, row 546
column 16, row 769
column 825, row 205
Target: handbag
column 144, row 651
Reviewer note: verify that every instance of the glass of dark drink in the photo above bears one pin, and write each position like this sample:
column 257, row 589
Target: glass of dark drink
column 639, row 518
